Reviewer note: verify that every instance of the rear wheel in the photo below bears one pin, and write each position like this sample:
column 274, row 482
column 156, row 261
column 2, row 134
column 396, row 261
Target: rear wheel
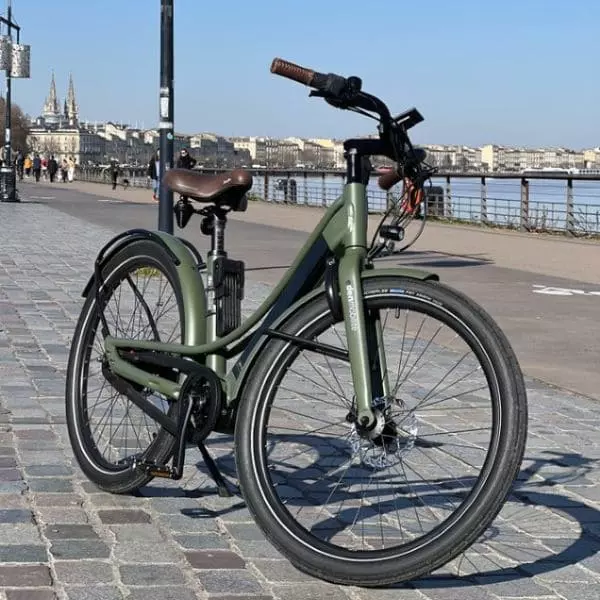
column 383, row 506
column 142, row 301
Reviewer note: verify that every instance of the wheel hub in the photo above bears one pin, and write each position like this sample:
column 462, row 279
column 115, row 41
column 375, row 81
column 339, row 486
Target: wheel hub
column 384, row 443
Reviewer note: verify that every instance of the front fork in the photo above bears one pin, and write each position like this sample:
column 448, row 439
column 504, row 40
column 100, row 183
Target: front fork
column 364, row 335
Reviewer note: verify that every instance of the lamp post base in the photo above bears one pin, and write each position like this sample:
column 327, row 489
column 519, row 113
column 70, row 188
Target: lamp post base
column 8, row 185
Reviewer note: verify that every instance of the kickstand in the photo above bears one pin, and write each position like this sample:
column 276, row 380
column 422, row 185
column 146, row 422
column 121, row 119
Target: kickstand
column 222, row 487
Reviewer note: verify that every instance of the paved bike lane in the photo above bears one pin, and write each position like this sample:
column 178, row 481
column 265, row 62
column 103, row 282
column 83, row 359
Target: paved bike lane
column 544, row 291
column 60, row 537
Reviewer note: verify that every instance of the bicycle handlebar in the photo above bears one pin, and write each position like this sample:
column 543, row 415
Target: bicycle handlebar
column 292, row 71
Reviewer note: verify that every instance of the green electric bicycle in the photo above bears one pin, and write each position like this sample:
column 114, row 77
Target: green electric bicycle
column 379, row 417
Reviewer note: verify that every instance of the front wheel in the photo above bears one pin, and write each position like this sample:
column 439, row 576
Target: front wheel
column 383, row 506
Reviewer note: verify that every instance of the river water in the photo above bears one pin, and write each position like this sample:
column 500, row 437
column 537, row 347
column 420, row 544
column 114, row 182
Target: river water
column 462, row 198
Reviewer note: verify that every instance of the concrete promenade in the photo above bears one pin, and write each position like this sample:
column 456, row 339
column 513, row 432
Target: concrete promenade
column 61, row 538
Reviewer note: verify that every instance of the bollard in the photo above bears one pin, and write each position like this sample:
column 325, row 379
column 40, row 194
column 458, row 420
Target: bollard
column 524, row 220
column 448, row 205
column 570, row 221
column 484, row 215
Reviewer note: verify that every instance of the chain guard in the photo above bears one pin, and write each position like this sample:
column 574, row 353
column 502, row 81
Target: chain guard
column 206, row 401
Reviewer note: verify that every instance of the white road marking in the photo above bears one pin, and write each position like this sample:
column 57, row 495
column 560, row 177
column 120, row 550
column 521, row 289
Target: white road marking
column 41, row 197
column 560, row 291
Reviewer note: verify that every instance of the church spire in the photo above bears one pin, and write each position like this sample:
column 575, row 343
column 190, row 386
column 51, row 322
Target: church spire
column 51, row 111
column 72, row 109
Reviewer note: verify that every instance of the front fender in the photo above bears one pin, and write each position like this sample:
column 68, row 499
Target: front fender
column 187, row 262
column 237, row 377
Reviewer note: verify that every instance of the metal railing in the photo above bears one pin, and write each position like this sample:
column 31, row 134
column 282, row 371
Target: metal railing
column 553, row 202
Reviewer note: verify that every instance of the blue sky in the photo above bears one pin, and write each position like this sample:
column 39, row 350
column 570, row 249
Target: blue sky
column 481, row 71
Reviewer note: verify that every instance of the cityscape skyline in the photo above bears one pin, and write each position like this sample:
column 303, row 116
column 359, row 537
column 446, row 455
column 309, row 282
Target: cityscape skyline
column 472, row 84
column 53, row 115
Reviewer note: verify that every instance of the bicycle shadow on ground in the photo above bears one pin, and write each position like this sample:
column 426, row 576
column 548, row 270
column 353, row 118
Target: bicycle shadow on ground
column 540, row 529
column 435, row 259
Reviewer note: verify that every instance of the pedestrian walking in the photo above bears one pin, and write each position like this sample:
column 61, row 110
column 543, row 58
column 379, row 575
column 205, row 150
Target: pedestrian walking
column 71, row 169
column 52, row 168
column 154, row 174
column 37, row 166
column 114, row 170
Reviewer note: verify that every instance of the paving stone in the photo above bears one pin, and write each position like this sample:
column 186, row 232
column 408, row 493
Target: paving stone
column 7, row 462
column 62, row 515
column 10, row 475
column 512, row 587
column 23, row 553
column 69, row 532
column 13, row 501
column 30, row 594
column 185, row 524
column 62, row 500
column 398, row 592
column 77, row 549
column 257, row 549
column 309, row 591
column 215, row 559
column 163, row 593
column 110, row 517
column 83, row 572
column 202, row 541
column 136, row 552
column 51, row 485
column 279, row 570
column 16, row 516
column 24, row 576
column 11, row 533
column 48, row 470
column 223, row 581
column 97, row 592
column 244, row 531
column 578, row 591
column 439, row 588
column 137, row 533
column 244, row 597
column 151, row 575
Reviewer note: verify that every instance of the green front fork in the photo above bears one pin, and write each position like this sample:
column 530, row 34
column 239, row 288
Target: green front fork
column 364, row 335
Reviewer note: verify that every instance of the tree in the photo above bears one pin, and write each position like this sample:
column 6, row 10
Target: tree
column 19, row 125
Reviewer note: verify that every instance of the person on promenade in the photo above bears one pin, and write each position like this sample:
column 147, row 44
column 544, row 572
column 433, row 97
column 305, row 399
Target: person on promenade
column 44, row 168
column 186, row 160
column 154, row 174
column 37, row 166
column 114, row 171
column 20, row 164
column 27, row 163
column 64, row 168
column 71, row 169
column 52, row 168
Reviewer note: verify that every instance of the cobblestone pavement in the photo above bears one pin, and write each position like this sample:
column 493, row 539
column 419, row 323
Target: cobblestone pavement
column 61, row 538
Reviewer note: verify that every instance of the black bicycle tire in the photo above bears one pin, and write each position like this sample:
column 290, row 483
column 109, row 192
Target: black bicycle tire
column 126, row 480
column 506, row 461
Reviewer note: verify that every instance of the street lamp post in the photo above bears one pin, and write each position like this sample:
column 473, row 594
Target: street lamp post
column 14, row 60
column 167, row 130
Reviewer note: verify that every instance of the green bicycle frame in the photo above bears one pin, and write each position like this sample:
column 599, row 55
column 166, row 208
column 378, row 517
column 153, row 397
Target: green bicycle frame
column 342, row 232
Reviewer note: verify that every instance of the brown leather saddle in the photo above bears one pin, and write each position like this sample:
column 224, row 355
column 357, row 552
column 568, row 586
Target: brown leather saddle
column 226, row 190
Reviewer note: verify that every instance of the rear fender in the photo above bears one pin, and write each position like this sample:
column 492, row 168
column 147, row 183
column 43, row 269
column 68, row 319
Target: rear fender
column 187, row 262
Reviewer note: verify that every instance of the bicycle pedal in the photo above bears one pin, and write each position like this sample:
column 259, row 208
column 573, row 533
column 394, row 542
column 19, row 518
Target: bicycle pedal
column 155, row 470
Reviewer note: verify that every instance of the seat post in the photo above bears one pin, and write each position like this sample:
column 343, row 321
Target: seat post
column 217, row 238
